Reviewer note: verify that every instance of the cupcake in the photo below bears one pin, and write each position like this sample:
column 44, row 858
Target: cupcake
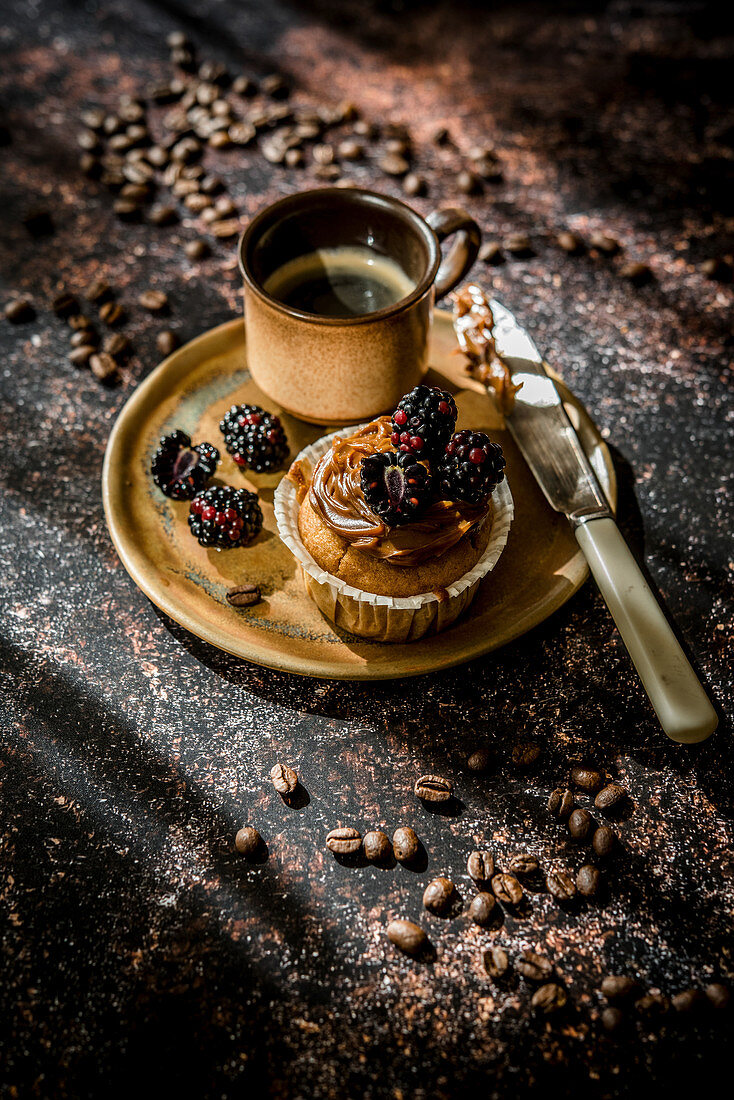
column 395, row 523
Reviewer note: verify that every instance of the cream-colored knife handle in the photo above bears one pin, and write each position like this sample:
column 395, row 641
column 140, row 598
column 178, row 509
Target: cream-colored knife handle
column 675, row 691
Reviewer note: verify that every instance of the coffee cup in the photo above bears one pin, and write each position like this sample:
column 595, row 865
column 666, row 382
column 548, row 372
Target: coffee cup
column 339, row 289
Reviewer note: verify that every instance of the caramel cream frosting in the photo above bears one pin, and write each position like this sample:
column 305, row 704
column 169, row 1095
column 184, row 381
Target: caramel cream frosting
column 336, row 495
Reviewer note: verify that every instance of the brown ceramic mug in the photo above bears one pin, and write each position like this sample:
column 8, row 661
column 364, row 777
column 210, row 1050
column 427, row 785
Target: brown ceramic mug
column 337, row 370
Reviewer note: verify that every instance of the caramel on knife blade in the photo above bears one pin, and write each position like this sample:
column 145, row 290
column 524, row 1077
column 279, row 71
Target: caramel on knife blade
column 473, row 325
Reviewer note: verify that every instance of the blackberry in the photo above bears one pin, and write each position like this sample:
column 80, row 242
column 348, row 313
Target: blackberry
column 471, row 467
column 180, row 470
column 225, row 517
column 396, row 487
column 423, row 421
column 254, row 437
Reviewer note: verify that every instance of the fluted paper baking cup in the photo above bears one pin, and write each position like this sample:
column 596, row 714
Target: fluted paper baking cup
column 385, row 618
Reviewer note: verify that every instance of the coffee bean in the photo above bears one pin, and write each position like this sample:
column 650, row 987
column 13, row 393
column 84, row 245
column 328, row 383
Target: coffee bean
column 78, row 322
column 392, row 164
column 221, row 139
column 65, row 305
column 293, row 158
column 534, row 967
column 243, row 86
column 184, row 187
column 275, row 86
column 284, row 779
column 438, row 895
column 84, row 337
column 652, row 1004
column 405, row 844
column 241, row 133
column 637, row 273
column 126, row 210
column 90, row 166
column 441, row 136
column 39, row 223
column 155, row 301
column 112, row 314
column 88, row 140
column 491, row 253
column 103, row 365
column 433, row 788
column 344, row 842
column 176, row 40
column 166, row 342
column 560, row 802
column 224, row 229
column 479, row 760
column 225, row 207
column 609, row 796
column 196, row 250
column 687, row 1000
column 718, row 995
column 93, row 118
column 323, row 154
column 243, row 595
column 522, row 863
column 496, row 962
column 162, row 214
column 589, row 779
column 117, row 345
column 468, row 182
column 488, row 168
column 112, row 125
column 618, row 987
column 603, row 841
column 587, row 880
column 19, row 310
column 603, row 243
column 99, row 291
column 525, row 754
column 570, row 243
column 81, row 355
column 560, row 885
column 406, row 935
column 414, row 185
column 376, row 846
column 184, row 59
column 507, row 889
column 482, row 908
column 480, row 866
column 549, row 998
column 329, row 172
column 350, row 149
column 579, row 824
column 721, row 271
column 519, row 245
column 248, row 841
column 197, row 202
column 612, row 1018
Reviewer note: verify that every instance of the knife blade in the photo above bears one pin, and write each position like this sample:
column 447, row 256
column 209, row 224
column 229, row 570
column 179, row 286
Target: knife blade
column 547, row 440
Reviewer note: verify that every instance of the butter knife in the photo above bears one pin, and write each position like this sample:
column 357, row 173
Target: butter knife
column 545, row 436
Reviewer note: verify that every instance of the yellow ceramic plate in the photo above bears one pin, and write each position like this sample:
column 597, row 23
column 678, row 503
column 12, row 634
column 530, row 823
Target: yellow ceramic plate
column 539, row 570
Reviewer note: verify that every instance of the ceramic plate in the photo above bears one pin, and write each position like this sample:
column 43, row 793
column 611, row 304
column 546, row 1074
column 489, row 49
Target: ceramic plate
column 539, row 570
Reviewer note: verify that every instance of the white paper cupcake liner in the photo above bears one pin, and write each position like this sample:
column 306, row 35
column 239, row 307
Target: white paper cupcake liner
column 385, row 618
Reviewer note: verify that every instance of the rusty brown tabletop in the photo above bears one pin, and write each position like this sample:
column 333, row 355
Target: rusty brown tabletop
column 139, row 951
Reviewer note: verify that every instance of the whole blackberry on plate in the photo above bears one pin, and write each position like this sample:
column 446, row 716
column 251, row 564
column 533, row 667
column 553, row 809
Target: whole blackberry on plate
column 396, row 487
column 471, row 467
column 225, row 517
column 254, row 437
column 180, row 470
column 423, row 421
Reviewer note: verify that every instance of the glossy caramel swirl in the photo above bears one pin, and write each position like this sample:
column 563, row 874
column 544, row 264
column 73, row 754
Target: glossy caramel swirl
column 336, row 496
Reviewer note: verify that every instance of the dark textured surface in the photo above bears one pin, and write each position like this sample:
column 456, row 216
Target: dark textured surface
column 132, row 753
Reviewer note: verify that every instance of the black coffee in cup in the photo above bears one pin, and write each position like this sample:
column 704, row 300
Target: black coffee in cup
column 340, row 282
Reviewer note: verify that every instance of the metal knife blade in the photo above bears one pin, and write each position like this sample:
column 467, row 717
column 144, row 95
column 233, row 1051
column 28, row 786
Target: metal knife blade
column 541, row 427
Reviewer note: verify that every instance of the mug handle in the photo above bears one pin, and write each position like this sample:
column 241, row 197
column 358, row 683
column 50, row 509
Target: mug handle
column 463, row 251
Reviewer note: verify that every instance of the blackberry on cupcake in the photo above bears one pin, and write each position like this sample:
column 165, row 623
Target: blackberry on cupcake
column 423, row 422
column 471, row 468
column 396, row 487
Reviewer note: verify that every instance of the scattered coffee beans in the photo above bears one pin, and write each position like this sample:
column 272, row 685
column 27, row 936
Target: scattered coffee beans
column 376, row 846
column 519, row 245
column 405, row 844
column 479, row 760
column 637, row 273
column 549, row 998
column 560, row 802
column 491, row 253
column 579, row 824
column 406, row 935
column 687, row 1000
column 525, row 754
column 155, row 301
column 618, row 987
column 482, row 908
column 433, row 788
column 721, row 271
column 284, row 779
column 438, row 895
column 468, row 182
column 248, row 841
column 507, row 889
column 496, row 962
column 103, row 366
column 480, row 866
column 612, row 1018
column 522, row 863
column 99, row 291
column 560, row 885
column 19, row 311
column 344, row 842
column 112, row 314
column 65, row 305
column 587, row 880
column 534, row 967
column 81, row 355
column 588, row 779
column 603, row 243
column 392, row 164
column 652, row 1004
column 413, row 184
column 244, row 595
column 166, row 342
column 196, row 250
column 609, row 796
column 570, row 243
column 718, row 995
column 117, row 345
column 603, row 841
